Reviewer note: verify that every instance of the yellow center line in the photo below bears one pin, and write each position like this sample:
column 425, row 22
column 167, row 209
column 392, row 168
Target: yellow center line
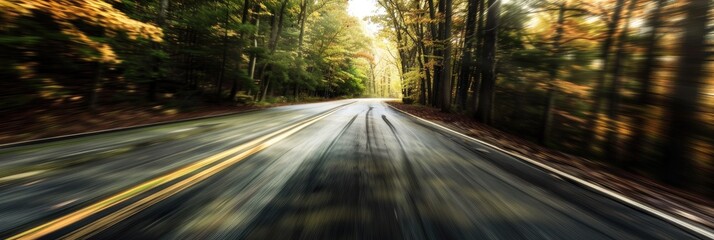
column 248, row 148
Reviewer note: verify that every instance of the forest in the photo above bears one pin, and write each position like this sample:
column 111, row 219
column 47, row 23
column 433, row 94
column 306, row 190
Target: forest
column 624, row 82
column 102, row 52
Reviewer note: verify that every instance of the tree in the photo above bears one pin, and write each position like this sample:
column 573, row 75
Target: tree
column 685, row 97
column 488, row 72
column 94, row 12
column 611, row 149
column 598, row 96
column 552, row 76
column 466, row 57
column 435, row 51
column 244, row 21
column 644, row 98
column 276, row 26
column 85, row 30
column 446, row 62
column 154, row 81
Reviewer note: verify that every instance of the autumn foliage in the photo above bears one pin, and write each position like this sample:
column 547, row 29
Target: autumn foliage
column 65, row 13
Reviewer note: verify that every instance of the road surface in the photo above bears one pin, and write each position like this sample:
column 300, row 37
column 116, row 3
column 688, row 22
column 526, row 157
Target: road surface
column 351, row 169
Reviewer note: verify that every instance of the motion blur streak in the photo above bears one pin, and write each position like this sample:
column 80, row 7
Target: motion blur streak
column 64, row 221
column 335, row 171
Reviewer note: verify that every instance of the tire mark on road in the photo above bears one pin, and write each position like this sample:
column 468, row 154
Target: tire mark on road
column 414, row 188
column 296, row 190
column 312, row 183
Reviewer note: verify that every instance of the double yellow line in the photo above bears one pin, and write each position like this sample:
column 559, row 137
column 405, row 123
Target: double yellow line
column 242, row 151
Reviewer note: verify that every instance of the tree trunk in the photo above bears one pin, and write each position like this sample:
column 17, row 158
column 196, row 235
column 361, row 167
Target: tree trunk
column 276, row 28
column 479, row 56
column 612, row 143
column 488, row 72
column 644, row 98
column 401, row 46
column 427, row 71
column 686, row 95
column 434, row 98
column 244, row 20
column 553, row 76
column 422, row 57
column 600, row 84
column 466, row 64
column 222, row 73
column 425, row 81
column 446, row 72
column 283, row 7
column 160, row 20
column 255, row 20
column 302, row 17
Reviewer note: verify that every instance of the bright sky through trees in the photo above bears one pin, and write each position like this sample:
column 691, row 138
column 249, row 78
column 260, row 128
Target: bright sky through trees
column 365, row 8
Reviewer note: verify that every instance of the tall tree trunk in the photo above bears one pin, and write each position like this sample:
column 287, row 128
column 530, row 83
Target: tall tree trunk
column 254, row 58
column 476, row 83
column 612, row 143
column 427, row 93
column 222, row 73
column 457, row 46
column 488, row 71
column 302, row 17
column 446, row 72
column 244, row 20
column 466, row 62
column 281, row 16
column 598, row 96
column 246, row 11
column 439, row 51
column 553, row 76
column 645, row 96
column 686, row 95
column 275, row 30
column 435, row 51
column 425, row 81
column 276, row 26
column 153, row 84
column 421, row 55
column 422, row 85
column 401, row 45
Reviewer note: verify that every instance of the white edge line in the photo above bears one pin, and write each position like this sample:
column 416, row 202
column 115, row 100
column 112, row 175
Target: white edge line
column 600, row 189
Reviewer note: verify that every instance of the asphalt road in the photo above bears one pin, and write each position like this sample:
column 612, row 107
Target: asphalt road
column 351, row 169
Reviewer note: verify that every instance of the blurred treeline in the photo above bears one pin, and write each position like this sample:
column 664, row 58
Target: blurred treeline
column 625, row 81
column 92, row 53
